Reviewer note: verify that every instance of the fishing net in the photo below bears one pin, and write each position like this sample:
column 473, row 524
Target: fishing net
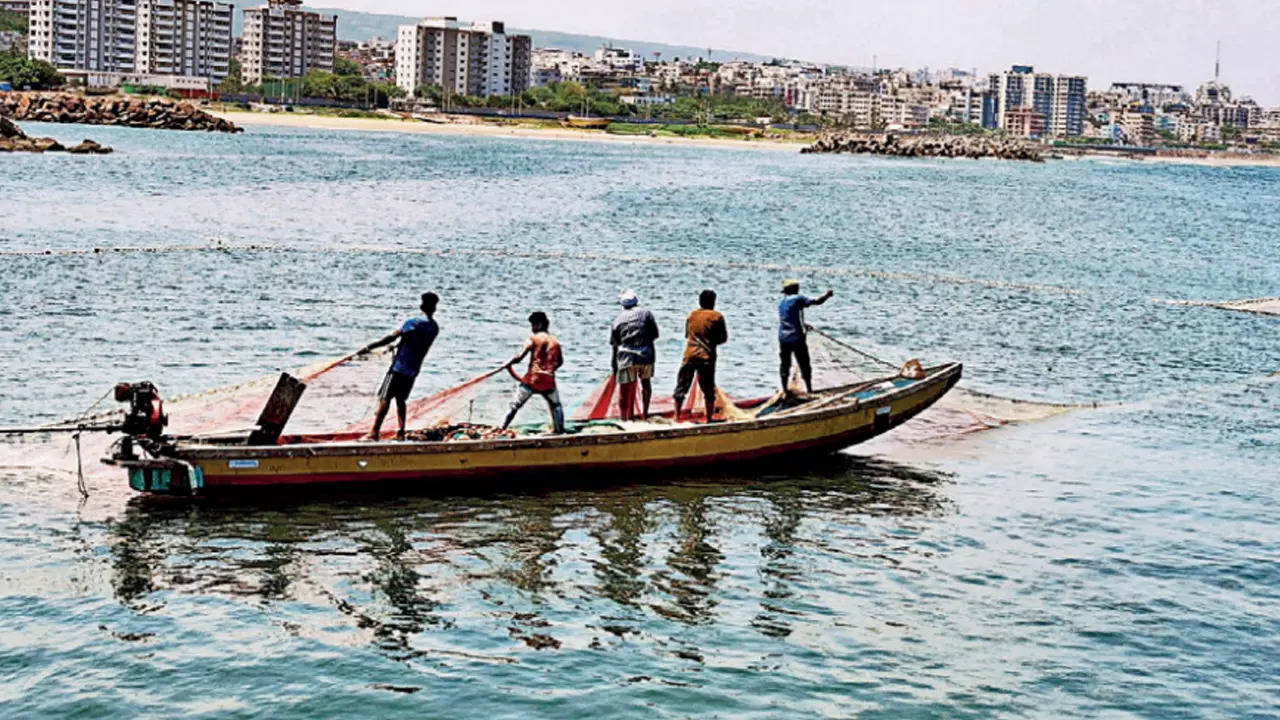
column 836, row 363
column 1260, row 306
column 339, row 403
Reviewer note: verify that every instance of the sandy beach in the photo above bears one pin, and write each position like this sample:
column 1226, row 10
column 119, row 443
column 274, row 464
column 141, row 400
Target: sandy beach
column 479, row 128
column 485, row 129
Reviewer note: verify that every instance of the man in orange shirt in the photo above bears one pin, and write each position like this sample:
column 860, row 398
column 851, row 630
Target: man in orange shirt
column 704, row 331
column 545, row 358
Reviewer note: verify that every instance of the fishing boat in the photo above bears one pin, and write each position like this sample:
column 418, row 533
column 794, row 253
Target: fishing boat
column 778, row 428
column 587, row 123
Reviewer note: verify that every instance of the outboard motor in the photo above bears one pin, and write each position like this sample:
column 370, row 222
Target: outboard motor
column 145, row 416
column 144, row 419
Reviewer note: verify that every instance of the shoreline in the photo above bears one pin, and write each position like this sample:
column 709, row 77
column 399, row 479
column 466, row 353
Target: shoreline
column 481, row 129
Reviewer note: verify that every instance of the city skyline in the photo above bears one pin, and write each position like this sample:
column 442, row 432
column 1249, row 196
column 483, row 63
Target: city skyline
column 1141, row 41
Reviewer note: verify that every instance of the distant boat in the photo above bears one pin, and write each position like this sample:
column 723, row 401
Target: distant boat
column 588, row 123
column 824, row 422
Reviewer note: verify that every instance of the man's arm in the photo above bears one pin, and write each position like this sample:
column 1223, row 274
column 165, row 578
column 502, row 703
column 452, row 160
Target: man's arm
column 379, row 343
column 614, row 341
column 720, row 332
column 651, row 325
column 822, row 298
column 528, row 346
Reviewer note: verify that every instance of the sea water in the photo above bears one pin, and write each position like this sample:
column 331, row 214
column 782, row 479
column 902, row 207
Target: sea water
column 1122, row 560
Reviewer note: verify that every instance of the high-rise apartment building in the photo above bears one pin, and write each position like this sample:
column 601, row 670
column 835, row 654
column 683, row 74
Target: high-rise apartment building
column 190, row 38
column 84, row 34
column 1069, row 108
column 1059, row 100
column 463, row 58
column 283, row 40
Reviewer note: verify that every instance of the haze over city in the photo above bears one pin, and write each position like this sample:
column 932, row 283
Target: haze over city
column 1133, row 41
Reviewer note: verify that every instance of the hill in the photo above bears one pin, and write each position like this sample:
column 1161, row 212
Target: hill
column 356, row 26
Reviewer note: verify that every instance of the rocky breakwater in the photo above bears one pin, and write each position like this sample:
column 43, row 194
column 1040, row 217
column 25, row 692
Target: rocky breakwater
column 13, row 139
column 950, row 146
column 157, row 113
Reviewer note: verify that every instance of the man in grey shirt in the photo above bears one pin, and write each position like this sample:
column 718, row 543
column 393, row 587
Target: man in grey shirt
column 632, row 337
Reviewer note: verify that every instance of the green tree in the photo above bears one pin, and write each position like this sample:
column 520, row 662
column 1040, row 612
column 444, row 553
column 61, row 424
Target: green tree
column 24, row 72
column 11, row 21
column 430, row 93
column 344, row 66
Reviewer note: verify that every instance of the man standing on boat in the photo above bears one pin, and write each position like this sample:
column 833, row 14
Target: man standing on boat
column 631, row 337
column 416, row 336
column 791, row 332
column 545, row 358
column 704, row 331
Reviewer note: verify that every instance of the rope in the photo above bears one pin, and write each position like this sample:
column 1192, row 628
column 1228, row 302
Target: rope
column 81, row 417
column 853, row 349
column 84, row 490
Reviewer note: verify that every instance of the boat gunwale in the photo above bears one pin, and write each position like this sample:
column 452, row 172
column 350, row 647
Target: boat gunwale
column 934, row 375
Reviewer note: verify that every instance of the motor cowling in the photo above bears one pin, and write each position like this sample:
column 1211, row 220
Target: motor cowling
column 145, row 415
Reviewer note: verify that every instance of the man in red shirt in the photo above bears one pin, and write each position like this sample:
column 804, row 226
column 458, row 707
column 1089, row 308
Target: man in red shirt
column 545, row 358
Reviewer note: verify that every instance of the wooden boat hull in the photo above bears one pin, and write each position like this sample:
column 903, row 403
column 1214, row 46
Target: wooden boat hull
column 213, row 468
column 587, row 123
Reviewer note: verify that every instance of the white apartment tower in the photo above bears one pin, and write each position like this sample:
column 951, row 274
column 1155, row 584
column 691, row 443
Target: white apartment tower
column 191, row 38
column 84, row 34
column 463, row 58
column 283, row 40
column 1058, row 99
column 162, row 37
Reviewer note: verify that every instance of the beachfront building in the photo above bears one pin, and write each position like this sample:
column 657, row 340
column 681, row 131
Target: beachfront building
column 1023, row 122
column 282, row 40
column 83, row 34
column 1138, row 127
column 463, row 58
column 1058, row 99
column 619, row 59
column 181, row 38
column 1154, row 95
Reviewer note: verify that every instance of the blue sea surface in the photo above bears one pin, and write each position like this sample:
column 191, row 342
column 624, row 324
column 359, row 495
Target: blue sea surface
column 1119, row 561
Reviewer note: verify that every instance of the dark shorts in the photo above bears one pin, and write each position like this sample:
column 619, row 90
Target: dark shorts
column 798, row 348
column 706, row 371
column 396, row 386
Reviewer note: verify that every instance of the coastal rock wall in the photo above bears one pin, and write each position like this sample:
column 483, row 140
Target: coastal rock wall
column 951, row 146
column 13, row 139
column 108, row 110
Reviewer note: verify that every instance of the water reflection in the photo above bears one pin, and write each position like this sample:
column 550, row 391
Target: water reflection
column 401, row 566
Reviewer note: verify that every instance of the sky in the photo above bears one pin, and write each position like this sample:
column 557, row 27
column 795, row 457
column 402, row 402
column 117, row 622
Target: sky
column 1163, row 41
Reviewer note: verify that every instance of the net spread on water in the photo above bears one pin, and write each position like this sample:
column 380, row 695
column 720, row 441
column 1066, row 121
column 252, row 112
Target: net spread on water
column 1260, row 306
column 339, row 404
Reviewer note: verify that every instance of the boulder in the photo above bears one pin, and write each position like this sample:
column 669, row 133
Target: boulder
column 10, row 129
column 89, row 147
column 100, row 110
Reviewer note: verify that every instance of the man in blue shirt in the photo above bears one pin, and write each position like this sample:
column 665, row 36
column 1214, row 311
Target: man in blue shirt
column 791, row 332
column 416, row 336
